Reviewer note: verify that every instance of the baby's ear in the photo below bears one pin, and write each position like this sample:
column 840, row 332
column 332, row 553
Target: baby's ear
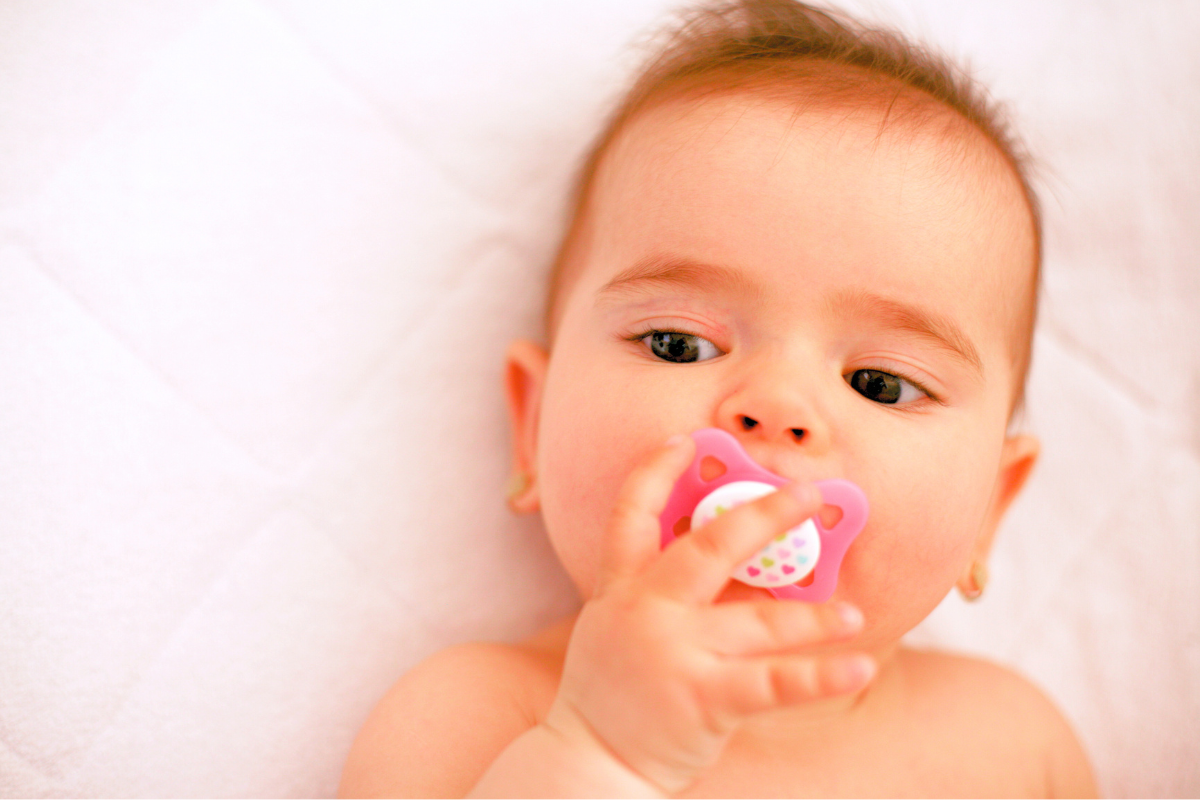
column 524, row 378
column 1018, row 456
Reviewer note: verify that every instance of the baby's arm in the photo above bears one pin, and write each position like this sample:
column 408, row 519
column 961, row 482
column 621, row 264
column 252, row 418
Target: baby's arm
column 1006, row 734
column 439, row 727
column 1070, row 771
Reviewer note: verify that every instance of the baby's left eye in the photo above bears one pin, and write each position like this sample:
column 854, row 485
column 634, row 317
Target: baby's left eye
column 884, row 387
column 681, row 348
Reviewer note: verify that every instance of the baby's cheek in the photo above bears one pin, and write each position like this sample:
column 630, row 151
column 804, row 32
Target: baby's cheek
column 588, row 444
column 574, row 499
column 918, row 538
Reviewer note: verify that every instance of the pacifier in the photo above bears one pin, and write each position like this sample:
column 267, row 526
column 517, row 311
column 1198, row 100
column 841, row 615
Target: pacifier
column 799, row 564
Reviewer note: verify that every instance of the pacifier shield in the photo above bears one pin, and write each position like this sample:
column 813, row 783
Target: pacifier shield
column 787, row 559
column 810, row 550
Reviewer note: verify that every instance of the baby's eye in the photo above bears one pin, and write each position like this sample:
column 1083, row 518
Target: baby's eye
column 884, row 387
column 681, row 348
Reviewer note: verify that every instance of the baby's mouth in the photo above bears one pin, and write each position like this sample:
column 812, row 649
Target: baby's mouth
column 798, row 564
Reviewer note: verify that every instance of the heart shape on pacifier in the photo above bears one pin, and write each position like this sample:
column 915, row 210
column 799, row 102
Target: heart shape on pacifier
column 798, row 564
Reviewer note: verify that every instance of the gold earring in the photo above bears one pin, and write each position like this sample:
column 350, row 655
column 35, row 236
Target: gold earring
column 978, row 582
column 518, row 484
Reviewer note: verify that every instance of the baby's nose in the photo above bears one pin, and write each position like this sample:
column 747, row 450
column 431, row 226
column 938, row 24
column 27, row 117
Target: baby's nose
column 777, row 395
column 749, row 424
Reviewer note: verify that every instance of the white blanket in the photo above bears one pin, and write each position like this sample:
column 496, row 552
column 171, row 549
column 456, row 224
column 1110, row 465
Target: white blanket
column 259, row 260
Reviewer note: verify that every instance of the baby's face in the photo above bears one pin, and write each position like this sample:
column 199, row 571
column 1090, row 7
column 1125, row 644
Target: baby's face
column 839, row 299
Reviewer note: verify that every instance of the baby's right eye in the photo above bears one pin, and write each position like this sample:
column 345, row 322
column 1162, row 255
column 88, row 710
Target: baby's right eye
column 681, row 348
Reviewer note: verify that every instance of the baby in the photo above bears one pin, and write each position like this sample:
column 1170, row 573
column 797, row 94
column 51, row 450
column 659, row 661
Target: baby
column 818, row 239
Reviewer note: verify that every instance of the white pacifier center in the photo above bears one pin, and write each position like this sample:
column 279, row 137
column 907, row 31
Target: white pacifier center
column 788, row 558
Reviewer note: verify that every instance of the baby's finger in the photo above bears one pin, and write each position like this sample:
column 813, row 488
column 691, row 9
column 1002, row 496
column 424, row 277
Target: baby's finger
column 634, row 535
column 771, row 626
column 762, row 684
column 697, row 566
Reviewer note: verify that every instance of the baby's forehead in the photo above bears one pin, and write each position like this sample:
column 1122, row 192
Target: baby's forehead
column 924, row 164
column 929, row 137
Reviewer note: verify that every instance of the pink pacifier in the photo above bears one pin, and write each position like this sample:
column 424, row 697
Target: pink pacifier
column 799, row 564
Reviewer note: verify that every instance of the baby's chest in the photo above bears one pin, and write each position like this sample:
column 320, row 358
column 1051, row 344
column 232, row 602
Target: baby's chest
column 871, row 766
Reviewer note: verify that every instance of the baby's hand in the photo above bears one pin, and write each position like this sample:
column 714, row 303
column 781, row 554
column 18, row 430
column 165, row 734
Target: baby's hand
column 658, row 674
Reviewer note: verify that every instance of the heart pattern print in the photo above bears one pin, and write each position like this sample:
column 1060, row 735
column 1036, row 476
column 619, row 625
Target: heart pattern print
column 786, row 559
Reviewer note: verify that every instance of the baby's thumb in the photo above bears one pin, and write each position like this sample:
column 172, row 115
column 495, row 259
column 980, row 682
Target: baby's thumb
column 633, row 537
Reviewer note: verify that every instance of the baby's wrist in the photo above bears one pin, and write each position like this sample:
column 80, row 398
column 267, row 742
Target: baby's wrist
column 577, row 735
column 562, row 761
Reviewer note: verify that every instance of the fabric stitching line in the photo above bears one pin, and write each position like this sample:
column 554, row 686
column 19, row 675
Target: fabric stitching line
column 316, row 512
column 22, row 242
column 194, row 609
column 315, row 517
column 1080, row 554
column 389, row 352
column 395, row 124
column 1080, row 547
column 38, row 771
column 1071, row 343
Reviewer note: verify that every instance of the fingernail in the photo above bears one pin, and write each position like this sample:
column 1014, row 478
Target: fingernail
column 805, row 493
column 860, row 669
column 851, row 673
column 850, row 616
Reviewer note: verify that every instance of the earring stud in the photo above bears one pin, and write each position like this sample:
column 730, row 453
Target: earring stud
column 518, row 484
column 978, row 582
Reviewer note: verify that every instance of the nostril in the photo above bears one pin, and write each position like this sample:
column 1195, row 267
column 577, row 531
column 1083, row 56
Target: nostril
column 798, row 433
column 748, row 424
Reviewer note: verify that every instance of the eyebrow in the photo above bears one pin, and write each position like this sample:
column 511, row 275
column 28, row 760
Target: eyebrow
column 922, row 323
column 677, row 273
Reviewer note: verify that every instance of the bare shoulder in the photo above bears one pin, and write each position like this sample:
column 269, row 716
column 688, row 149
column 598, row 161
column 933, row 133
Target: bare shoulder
column 441, row 725
column 1009, row 717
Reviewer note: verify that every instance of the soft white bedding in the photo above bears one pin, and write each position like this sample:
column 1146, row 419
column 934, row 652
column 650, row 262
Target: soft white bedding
column 258, row 263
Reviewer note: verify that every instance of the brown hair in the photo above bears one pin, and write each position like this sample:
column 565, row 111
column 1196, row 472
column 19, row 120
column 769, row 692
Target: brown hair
column 773, row 45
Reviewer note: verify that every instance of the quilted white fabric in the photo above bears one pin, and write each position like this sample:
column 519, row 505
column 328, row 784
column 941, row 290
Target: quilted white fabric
column 259, row 260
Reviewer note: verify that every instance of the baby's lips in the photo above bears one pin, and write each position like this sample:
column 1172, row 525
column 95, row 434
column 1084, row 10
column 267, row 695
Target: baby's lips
column 801, row 563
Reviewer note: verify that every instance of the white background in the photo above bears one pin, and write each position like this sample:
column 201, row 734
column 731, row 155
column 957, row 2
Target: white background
column 259, row 260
